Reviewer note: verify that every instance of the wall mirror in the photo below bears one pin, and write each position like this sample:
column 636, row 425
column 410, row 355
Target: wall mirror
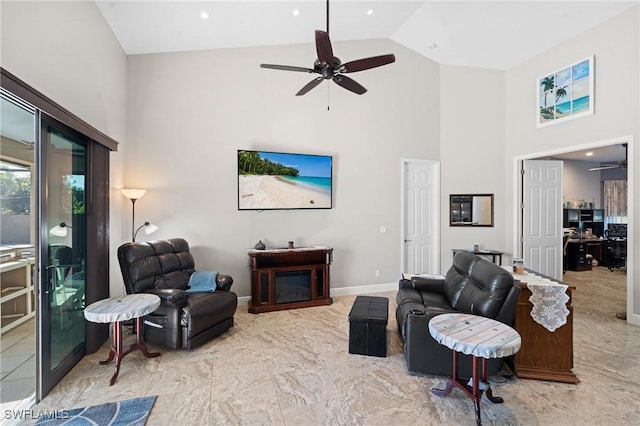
column 471, row 209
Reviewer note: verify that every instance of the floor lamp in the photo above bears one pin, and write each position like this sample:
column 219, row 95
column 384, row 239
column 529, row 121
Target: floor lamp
column 134, row 195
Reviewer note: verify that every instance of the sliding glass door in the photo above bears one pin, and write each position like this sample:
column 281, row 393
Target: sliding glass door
column 63, row 250
column 70, row 202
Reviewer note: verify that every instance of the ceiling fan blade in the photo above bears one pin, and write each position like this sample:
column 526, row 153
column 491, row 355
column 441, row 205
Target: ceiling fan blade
column 323, row 47
column 609, row 167
column 349, row 84
column 367, row 63
column 286, row 68
column 310, row 85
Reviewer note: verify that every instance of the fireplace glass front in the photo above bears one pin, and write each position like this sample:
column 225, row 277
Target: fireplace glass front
column 293, row 286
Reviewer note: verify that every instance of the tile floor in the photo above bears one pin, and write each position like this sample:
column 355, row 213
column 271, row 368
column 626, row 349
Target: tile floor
column 17, row 364
column 293, row 368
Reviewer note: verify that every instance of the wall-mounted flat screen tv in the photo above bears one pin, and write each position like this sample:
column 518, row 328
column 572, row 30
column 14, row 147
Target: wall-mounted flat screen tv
column 279, row 180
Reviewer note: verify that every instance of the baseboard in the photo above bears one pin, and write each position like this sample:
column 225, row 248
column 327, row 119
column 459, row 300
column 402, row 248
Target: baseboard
column 343, row 291
column 364, row 289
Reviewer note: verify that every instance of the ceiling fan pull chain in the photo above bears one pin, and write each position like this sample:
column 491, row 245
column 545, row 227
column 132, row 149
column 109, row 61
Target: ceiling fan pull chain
column 327, row 97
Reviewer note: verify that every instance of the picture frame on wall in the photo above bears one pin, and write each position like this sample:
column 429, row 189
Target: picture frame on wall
column 566, row 94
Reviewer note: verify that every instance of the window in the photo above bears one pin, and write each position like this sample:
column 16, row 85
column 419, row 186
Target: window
column 615, row 201
column 15, row 188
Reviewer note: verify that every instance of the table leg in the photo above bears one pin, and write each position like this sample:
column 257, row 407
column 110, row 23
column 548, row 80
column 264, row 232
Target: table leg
column 489, row 392
column 112, row 350
column 118, row 352
column 140, row 344
column 452, row 381
column 478, row 384
column 476, row 393
column 117, row 338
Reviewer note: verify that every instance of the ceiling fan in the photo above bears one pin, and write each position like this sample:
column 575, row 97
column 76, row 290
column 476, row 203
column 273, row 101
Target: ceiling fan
column 330, row 67
column 618, row 164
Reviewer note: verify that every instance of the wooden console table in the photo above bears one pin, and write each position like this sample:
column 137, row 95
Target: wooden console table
column 289, row 278
column 544, row 355
column 495, row 254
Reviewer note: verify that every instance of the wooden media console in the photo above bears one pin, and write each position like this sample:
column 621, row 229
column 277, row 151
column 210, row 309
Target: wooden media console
column 289, row 278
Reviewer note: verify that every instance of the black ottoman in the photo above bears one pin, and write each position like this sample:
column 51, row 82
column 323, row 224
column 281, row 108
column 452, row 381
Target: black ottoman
column 368, row 326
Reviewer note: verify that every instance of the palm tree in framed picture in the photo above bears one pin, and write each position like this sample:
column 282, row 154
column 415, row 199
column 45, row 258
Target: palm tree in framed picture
column 561, row 92
column 547, row 84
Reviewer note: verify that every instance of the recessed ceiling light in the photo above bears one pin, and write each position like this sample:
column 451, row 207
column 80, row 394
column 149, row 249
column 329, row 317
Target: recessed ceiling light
column 370, row 12
column 204, row 15
column 296, row 12
column 589, row 154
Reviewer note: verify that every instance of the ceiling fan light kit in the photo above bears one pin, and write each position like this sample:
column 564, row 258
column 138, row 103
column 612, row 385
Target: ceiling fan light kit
column 330, row 67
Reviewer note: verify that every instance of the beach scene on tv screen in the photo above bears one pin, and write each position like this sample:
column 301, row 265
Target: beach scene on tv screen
column 272, row 180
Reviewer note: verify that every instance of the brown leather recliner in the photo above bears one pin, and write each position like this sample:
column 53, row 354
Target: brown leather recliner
column 472, row 286
column 183, row 320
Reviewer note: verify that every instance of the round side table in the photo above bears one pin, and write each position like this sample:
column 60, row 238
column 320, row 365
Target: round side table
column 122, row 308
column 479, row 337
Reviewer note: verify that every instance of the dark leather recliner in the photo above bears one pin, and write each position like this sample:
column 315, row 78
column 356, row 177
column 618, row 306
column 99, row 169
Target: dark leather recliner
column 183, row 320
column 472, row 285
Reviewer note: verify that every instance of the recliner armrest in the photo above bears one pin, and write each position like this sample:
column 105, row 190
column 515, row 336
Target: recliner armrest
column 434, row 285
column 507, row 312
column 223, row 282
column 404, row 284
column 171, row 296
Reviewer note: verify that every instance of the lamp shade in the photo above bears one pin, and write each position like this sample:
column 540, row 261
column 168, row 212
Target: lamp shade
column 59, row 230
column 149, row 228
column 133, row 194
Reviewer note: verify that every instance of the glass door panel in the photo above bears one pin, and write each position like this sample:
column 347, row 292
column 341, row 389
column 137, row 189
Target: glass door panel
column 17, row 254
column 63, row 248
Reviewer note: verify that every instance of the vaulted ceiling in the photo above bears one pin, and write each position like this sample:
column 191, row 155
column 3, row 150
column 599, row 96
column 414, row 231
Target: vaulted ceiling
column 497, row 34
column 484, row 34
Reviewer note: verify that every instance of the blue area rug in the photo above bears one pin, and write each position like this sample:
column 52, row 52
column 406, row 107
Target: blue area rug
column 122, row 413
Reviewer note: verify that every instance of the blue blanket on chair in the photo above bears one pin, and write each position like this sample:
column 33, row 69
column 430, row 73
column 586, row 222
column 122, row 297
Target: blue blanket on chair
column 202, row 282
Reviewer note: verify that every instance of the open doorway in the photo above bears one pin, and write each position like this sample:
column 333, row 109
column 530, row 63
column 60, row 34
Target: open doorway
column 17, row 252
column 594, row 231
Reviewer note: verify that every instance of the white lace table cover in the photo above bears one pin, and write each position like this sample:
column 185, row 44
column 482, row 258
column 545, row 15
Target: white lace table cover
column 475, row 335
column 549, row 300
column 121, row 308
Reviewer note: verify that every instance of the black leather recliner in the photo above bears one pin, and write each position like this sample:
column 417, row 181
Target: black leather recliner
column 473, row 286
column 183, row 320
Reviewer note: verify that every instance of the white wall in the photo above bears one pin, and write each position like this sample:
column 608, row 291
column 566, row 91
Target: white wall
column 578, row 183
column 472, row 121
column 615, row 45
column 66, row 51
column 614, row 174
column 190, row 112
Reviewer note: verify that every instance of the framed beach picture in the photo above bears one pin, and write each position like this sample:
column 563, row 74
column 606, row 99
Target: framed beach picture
column 284, row 180
column 566, row 93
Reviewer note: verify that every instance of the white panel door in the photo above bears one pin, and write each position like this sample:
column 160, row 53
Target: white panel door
column 542, row 216
column 421, row 218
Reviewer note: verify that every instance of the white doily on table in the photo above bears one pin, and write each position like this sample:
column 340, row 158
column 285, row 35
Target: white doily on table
column 549, row 300
column 549, row 305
